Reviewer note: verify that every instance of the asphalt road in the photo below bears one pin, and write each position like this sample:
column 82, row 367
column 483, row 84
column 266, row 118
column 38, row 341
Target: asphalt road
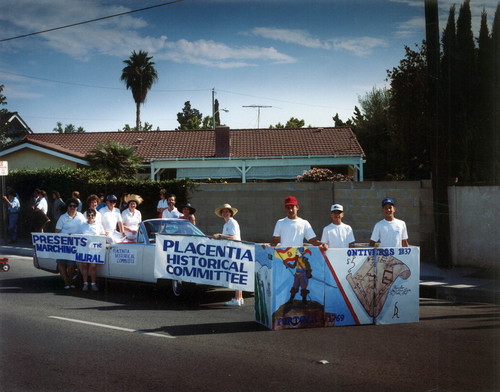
column 130, row 337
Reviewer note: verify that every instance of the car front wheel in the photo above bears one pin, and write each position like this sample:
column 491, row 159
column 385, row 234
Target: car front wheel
column 177, row 287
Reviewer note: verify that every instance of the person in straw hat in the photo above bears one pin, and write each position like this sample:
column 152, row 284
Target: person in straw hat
column 131, row 216
column 231, row 231
column 188, row 213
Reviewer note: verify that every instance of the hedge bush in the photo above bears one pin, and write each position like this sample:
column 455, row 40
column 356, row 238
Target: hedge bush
column 87, row 182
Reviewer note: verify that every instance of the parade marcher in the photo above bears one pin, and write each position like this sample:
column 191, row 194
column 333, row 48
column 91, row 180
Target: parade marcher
column 132, row 217
column 57, row 207
column 171, row 211
column 231, row 231
column 69, row 223
column 76, row 195
column 292, row 230
column 112, row 220
column 337, row 234
column 91, row 227
column 102, row 201
column 390, row 231
column 162, row 203
column 13, row 207
column 92, row 202
column 188, row 212
column 39, row 218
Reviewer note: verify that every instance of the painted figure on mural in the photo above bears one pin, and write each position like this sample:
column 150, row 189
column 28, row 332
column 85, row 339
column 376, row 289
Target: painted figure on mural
column 303, row 273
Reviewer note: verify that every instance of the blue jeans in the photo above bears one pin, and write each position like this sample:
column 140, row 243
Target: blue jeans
column 12, row 228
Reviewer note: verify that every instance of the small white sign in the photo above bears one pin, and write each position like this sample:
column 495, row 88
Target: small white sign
column 4, row 168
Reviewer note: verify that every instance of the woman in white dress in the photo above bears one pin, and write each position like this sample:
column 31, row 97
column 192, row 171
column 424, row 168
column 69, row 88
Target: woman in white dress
column 132, row 217
column 230, row 231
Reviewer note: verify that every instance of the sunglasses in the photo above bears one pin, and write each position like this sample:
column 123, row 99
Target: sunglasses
column 72, row 205
column 112, row 201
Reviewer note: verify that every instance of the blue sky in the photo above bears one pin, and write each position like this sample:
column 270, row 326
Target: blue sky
column 308, row 59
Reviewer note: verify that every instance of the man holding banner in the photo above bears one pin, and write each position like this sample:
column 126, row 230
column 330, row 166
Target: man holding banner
column 292, row 230
column 69, row 223
column 337, row 234
column 390, row 231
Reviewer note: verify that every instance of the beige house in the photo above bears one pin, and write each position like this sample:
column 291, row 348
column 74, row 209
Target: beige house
column 237, row 155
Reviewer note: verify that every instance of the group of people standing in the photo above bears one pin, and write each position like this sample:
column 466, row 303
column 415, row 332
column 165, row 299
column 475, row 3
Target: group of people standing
column 106, row 220
column 291, row 231
column 102, row 217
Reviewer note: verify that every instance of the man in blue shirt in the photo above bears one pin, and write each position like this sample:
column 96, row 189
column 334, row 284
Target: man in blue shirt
column 13, row 207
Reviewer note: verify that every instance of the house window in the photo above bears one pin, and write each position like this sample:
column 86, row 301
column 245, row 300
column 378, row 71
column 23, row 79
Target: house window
column 168, row 174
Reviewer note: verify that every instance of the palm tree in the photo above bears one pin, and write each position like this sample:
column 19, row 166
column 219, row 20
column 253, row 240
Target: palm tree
column 117, row 160
column 139, row 76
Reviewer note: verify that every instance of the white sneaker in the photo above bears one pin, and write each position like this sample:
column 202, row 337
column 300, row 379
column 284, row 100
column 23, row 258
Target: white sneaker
column 233, row 302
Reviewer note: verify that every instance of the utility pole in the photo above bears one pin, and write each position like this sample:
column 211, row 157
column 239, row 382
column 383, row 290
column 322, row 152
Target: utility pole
column 258, row 111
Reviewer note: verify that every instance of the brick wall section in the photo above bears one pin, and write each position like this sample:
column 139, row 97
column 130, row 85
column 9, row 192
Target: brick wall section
column 261, row 205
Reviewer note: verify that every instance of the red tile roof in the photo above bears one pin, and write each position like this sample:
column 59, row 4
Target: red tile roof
column 201, row 143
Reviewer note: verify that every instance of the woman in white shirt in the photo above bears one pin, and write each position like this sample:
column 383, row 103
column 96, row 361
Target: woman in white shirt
column 91, row 227
column 230, row 231
column 69, row 223
column 132, row 217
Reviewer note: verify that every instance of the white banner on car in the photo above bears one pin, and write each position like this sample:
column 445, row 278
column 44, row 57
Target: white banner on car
column 75, row 247
column 202, row 260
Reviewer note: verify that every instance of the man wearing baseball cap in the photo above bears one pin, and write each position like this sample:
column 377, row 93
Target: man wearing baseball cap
column 292, row 230
column 391, row 232
column 337, row 234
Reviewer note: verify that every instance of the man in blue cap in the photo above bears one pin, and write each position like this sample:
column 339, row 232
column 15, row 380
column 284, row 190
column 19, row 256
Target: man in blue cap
column 391, row 232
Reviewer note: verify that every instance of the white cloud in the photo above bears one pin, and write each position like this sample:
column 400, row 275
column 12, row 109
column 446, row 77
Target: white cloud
column 216, row 54
column 119, row 36
column 410, row 27
column 298, row 37
column 417, row 24
column 358, row 46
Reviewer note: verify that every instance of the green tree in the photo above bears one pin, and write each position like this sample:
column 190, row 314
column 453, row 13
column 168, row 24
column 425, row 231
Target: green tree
column 139, row 75
column 3, row 112
column 208, row 122
column 483, row 148
column 145, row 128
column 409, row 128
column 293, row 123
column 372, row 128
column 338, row 122
column 68, row 128
column 189, row 118
column 495, row 94
column 117, row 160
column 448, row 88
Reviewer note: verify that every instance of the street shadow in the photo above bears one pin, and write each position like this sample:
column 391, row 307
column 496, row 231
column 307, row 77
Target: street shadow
column 209, row 329
column 123, row 295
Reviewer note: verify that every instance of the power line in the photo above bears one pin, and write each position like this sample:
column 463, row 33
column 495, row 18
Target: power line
column 90, row 21
column 89, row 85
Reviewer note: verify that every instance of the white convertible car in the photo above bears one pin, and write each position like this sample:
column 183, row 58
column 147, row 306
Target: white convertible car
column 134, row 261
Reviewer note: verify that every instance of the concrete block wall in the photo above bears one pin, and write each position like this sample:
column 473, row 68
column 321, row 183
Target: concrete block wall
column 260, row 205
column 362, row 204
column 474, row 222
column 474, row 214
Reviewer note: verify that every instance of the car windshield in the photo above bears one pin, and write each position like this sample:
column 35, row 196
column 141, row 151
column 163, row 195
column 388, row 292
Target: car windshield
column 170, row 226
